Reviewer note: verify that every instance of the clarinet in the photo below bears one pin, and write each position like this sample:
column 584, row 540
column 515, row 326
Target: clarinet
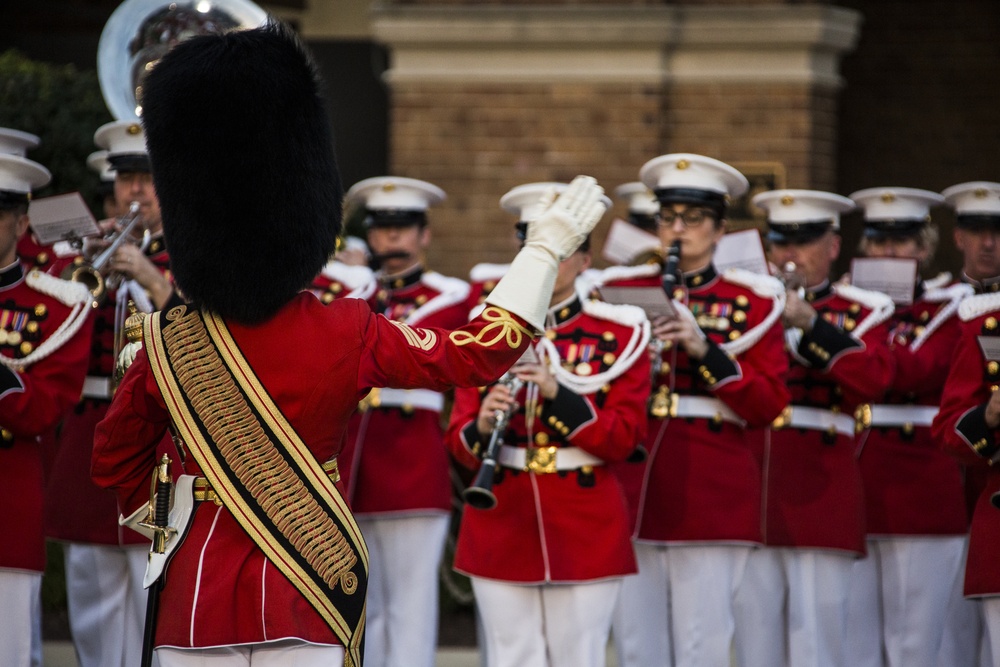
column 659, row 401
column 480, row 492
column 669, row 276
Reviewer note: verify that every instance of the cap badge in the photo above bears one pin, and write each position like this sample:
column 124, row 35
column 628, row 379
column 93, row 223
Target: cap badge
column 133, row 129
column 981, row 193
column 683, row 164
column 388, row 187
column 788, row 200
column 888, row 197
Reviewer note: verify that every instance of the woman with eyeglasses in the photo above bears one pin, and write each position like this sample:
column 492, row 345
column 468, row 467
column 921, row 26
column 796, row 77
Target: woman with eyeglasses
column 718, row 375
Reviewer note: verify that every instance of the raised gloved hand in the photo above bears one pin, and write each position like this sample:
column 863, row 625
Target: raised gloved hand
column 552, row 237
column 567, row 218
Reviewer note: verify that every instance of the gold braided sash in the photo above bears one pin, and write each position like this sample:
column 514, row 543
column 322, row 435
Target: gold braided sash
column 259, row 467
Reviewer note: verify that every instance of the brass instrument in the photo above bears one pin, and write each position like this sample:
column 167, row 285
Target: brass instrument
column 792, row 279
column 480, row 492
column 140, row 32
column 91, row 274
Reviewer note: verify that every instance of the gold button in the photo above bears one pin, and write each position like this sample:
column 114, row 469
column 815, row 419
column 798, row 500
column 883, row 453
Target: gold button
column 564, row 313
column 849, row 324
column 697, row 280
column 733, row 335
column 664, row 368
column 399, row 282
column 742, row 301
column 551, row 335
column 609, row 358
column 32, row 327
column 336, row 288
column 855, row 308
column 541, row 439
column 739, row 317
column 421, row 300
column 42, row 258
column 992, row 368
column 26, row 348
column 608, row 336
column 40, row 310
column 990, row 323
column 489, row 285
column 326, row 298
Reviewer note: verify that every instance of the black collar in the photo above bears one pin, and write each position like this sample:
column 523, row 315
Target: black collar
column 698, row 279
column 561, row 312
column 407, row 278
column 987, row 286
column 11, row 274
column 821, row 291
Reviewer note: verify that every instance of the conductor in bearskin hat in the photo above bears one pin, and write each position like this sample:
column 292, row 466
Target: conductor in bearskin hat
column 257, row 377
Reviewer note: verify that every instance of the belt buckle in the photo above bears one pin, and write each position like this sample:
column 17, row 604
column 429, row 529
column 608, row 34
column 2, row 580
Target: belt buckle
column 541, row 460
column 372, row 400
column 783, row 419
column 862, row 417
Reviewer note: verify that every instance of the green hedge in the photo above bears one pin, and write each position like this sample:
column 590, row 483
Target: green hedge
column 64, row 107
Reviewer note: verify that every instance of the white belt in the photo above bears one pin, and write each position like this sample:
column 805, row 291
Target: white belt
column 95, row 386
column 897, row 415
column 701, row 407
column 816, row 419
column 546, row 459
column 422, row 399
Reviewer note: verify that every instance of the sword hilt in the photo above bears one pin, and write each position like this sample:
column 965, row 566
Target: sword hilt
column 159, row 506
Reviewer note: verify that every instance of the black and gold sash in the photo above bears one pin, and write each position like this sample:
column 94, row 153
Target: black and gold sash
column 259, row 467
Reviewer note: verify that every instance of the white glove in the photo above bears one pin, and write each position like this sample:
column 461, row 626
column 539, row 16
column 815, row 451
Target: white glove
column 526, row 289
column 567, row 219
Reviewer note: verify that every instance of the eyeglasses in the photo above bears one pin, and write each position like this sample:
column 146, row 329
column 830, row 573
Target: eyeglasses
column 691, row 217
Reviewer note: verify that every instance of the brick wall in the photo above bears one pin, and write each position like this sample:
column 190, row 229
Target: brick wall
column 478, row 141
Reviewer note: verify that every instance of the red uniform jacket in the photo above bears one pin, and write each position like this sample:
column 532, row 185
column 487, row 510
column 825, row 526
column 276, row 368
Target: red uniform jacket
column 572, row 525
column 912, row 487
column 338, row 280
column 814, row 496
column 31, row 404
column 220, row 589
column 702, row 483
column 394, row 460
column 76, row 510
column 961, row 429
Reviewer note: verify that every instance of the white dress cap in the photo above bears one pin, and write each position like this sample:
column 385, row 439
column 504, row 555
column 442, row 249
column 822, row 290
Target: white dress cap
column 394, row 193
column 974, row 198
column 640, row 199
column 21, row 175
column 121, row 137
column 892, row 203
column 525, row 201
column 16, row 142
column 98, row 162
column 693, row 172
column 787, row 207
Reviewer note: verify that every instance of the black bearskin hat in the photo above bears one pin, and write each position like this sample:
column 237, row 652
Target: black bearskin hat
column 243, row 164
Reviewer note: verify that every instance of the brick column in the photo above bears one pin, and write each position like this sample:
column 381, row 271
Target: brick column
column 486, row 98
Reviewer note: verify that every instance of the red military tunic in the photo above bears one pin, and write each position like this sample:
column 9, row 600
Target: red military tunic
column 220, row 589
column 50, row 259
column 911, row 486
column 572, row 525
column 961, row 429
column 338, row 280
column 394, row 460
column 814, row 493
column 32, row 402
column 76, row 510
column 702, row 483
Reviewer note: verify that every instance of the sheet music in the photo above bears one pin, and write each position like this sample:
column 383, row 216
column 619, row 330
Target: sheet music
column 895, row 277
column 61, row 217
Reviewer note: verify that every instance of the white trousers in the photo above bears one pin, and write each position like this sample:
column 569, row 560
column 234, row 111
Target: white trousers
column 285, row 653
column 689, row 594
column 402, row 606
column 991, row 624
column 863, row 647
column 802, row 593
column 551, row 625
column 639, row 626
column 106, row 603
column 21, row 625
column 916, row 576
column 963, row 641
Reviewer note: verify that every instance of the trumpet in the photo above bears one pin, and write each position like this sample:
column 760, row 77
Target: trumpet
column 792, row 279
column 91, row 274
column 480, row 492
